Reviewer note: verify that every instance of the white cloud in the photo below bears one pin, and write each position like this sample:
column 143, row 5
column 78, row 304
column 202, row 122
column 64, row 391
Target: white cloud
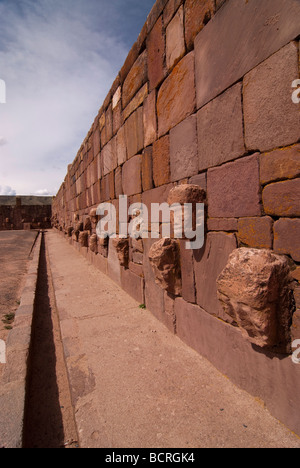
column 43, row 193
column 8, row 191
column 58, row 60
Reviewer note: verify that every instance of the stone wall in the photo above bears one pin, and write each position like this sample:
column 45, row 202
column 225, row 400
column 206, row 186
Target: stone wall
column 204, row 98
column 18, row 213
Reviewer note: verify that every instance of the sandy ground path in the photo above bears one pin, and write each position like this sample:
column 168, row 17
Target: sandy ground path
column 133, row 384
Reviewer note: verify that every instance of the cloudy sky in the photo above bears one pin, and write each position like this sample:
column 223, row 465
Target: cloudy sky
column 58, row 59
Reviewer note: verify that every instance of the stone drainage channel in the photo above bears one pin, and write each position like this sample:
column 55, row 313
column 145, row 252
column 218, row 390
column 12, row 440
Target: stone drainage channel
column 49, row 419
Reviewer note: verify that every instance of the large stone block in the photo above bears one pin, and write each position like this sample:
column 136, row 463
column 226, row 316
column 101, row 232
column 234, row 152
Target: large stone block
column 121, row 146
column 156, row 53
column 161, row 161
column 197, row 15
column 132, row 176
column 150, row 121
column 239, row 37
column 287, row 237
column 209, row 263
column 255, row 290
column 147, row 169
column 271, row 117
column 280, row 164
column 154, row 294
column 133, row 285
column 220, row 129
column 187, row 273
column 176, row 97
column 233, row 190
column 134, row 128
column 135, row 79
column 175, row 45
column 109, row 157
column 282, row 198
column 184, row 149
column 256, row 232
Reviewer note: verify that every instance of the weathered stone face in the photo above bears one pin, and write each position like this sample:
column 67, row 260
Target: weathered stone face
column 164, row 257
column 83, row 239
column 93, row 243
column 122, row 248
column 255, row 290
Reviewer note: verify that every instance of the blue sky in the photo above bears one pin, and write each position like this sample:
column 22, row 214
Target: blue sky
column 58, row 59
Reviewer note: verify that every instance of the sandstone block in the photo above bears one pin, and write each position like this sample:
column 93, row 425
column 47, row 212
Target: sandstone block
column 134, row 129
column 108, row 124
column 156, row 52
column 222, row 224
column 150, row 121
column 109, row 156
column 255, row 291
column 256, row 232
column 176, row 97
column 197, row 15
column 233, row 190
column 280, row 164
column 271, row 117
column 223, row 58
column 164, row 257
column 282, row 198
column 135, row 79
column 200, row 180
column 187, row 273
column 287, row 237
column 209, row 263
column 133, row 285
column 131, row 176
column 184, row 149
column 220, row 129
column 161, row 161
column 118, row 182
column 147, row 169
column 175, row 45
column 121, row 146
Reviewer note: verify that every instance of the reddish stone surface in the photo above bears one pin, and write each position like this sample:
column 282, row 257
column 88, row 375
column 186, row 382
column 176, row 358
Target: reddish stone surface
column 271, row 117
column 176, row 97
column 136, row 101
column 135, row 79
column 208, row 264
column 150, row 122
column 109, row 155
column 154, row 294
column 282, row 198
column 287, row 237
column 256, row 232
column 184, row 149
column 156, row 52
column 134, row 129
column 197, row 15
column 147, row 169
column 108, row 124
column 169, row 10
column 133, row 285
column 187, row 273
column 200, row 179
column 220, row 129
column 280, row 164
column 222, row 224
column 164, row 257
column 240, row 36
column 118, row 182
column 161, row 161
column 132, row 176
column 233, row 190
column 175, row 45
column 121, row 146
